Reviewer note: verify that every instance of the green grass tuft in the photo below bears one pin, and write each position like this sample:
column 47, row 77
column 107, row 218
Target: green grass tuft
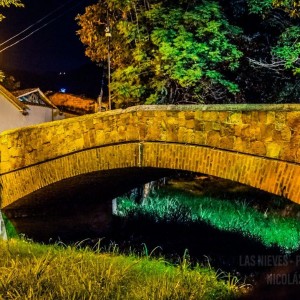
column 10, row 229
column 238, row 216
column 33, row 271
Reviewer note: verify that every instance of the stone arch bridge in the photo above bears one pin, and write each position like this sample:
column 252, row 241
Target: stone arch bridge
column 58, row 178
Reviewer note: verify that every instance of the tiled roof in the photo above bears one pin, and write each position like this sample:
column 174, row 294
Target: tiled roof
column 75, row 104
column 25, row 92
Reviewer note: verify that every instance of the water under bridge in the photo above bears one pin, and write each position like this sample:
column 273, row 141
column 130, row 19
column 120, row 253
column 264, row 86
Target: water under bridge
column 59, row 177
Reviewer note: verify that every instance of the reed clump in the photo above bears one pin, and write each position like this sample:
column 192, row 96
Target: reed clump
column 35, row 271
column 268, row 227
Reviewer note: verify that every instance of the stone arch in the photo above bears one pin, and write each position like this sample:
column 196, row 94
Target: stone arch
column 75, row 197
column 257, row 145
column 270, row 175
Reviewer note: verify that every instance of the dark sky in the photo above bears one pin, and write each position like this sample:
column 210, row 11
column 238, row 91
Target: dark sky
column 53, row 48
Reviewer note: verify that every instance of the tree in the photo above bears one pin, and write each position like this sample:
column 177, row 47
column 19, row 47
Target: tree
column 8, row 3
column 9, row 82
column 163, row 52
column 292, row 7
column 269, row 68
column 196, row 51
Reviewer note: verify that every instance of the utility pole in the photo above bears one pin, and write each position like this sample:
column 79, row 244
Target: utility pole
column 99, row 100
column 108, row 35
column 100, row 97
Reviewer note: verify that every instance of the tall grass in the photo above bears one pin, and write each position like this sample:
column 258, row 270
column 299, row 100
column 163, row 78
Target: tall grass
column 238, row 216
column 10, row 229
column 32, row 271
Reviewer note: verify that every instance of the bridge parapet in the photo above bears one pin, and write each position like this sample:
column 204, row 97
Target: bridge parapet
column 271, row 131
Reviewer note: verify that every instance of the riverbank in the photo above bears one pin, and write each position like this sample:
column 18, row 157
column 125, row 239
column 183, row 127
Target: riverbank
column 35, row 271
column 245, row 232
column 207, row 222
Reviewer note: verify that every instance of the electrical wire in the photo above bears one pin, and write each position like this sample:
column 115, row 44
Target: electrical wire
column 35, row 23
column 39, row 28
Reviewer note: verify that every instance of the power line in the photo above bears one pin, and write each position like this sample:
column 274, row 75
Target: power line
column 38, row 21
column 27, row 36
column 39, row 28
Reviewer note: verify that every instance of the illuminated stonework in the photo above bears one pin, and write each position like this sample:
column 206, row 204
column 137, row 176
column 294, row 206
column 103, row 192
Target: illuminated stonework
column 257, row 145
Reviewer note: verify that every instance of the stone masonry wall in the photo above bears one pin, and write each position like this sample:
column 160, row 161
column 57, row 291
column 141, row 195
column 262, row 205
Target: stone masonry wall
column 271, row 131
column 257, row 145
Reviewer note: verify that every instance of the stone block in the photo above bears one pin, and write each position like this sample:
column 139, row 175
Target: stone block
column 262, row 117
column 223, row 116
column 189, row 115
column 114, row 136
column 267, row 132
column 241, row 145
column 293, row 119
column 171, row 136
column 163, row 125
column 255, row 133
column 235, row 118
column 210, row 116
column 15, row 152
column 133, row 134
column 298, row 154
column 182, row 132
column 286, row 133
column 254, row 117
column 208, row 126
column 79, row 143
column 288, row 152
column 190, row 124
column 200, row 137
column 216, row 126
column 199, row 125
column 4, row 156
column 246, row 117
column 270, row 117
column 198, row 115
column 258, row 148
column 190, row 137
column 227, row 129
column 242, row 130
column 172, row 121
column 100, row 137
column 273, row 149
column 227, row 142
column 280, row 117
column 60, row 129
column 213, row 139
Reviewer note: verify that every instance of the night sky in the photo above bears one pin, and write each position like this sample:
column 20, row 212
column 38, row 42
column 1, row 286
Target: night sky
column 38, row 60
column 53, row 48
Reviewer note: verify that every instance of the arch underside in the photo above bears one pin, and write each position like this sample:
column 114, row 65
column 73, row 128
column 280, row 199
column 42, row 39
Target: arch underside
column 101, row 167
column 73, row 193
column 77, row 207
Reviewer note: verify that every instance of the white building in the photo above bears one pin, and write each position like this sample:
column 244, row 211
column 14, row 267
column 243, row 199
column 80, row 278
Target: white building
column 26, row 107
column 23, row 108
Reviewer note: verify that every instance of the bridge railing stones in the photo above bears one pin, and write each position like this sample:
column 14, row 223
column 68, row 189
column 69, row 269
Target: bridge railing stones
column 265, row 130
